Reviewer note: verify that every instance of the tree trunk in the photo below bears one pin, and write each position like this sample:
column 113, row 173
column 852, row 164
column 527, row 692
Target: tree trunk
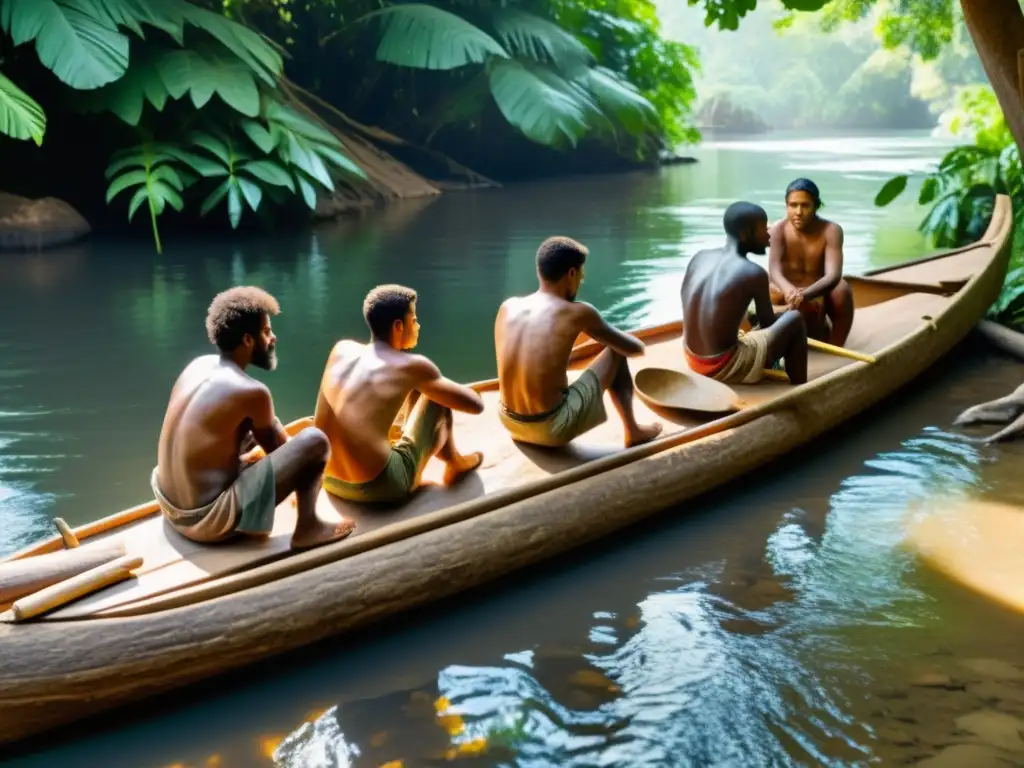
column 997, row 29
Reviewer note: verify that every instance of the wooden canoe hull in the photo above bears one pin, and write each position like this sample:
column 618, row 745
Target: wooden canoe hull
column 54, row 673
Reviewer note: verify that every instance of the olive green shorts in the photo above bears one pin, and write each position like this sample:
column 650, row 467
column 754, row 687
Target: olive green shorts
column 582, row 409
column 409, row 455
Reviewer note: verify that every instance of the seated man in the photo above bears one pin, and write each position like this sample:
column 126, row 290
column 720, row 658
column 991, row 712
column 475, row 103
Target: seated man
column 363, row 388
column 806, row 266
column 534, row 336
column 202, row 485
column 718, row 286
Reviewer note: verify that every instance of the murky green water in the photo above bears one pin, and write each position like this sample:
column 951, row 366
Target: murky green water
column 760, row 627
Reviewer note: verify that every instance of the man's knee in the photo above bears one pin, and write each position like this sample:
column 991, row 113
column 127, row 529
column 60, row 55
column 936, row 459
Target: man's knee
column 315, row 445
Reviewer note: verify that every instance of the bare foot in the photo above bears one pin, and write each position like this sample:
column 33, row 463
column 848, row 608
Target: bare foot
column 318, row 533
column 458, row 467
column 644, row 434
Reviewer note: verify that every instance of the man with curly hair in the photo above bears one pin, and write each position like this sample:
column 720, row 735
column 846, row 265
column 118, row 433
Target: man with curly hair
column 363, row 390
column 534, row 336
column 204, row 487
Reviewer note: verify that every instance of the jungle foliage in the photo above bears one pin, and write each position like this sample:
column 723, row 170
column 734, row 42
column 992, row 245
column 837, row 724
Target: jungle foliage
column 157, row 67
column 202, row 88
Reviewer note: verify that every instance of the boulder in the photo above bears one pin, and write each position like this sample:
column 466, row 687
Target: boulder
column 36, row 224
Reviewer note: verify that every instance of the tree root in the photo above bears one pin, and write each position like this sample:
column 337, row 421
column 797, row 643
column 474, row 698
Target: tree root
column 388, row 178
column 1004, row 410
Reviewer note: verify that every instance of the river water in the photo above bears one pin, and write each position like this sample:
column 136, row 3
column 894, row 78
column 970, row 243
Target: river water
column 778, row 622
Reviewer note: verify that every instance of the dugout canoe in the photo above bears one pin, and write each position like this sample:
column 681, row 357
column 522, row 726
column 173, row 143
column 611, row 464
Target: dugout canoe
column 191, row 612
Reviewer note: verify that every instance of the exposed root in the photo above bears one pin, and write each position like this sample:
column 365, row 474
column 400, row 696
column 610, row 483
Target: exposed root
column 1004, row 410
column 388, row 178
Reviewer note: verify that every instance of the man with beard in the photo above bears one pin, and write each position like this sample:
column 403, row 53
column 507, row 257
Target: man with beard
column 806, row 266
column 718, row 287
column 363, row 389
column 534, row 336
column 207, row 491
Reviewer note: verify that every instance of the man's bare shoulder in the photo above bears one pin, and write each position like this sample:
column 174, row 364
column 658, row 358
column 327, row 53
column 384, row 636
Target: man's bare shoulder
column 831, row 228
column 420, row 367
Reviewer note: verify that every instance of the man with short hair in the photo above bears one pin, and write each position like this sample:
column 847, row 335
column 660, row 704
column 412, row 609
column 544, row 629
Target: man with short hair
column 363, row 388
column 806, row 266
column 534, row 336
column 207, row 491
column 718, row 287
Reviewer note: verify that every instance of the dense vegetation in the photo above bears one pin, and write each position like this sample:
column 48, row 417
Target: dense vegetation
column 779, row 70
column 193, row 109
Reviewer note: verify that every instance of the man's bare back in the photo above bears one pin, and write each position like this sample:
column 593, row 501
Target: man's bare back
column 362, row 391
column 718, row 287
column 212, row 410
column 717, row 290
column 364, row 387
column 204, row 487
column 533, row 338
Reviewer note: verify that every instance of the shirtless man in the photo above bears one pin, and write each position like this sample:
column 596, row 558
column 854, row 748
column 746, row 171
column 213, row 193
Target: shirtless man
column 207, row 491
column 806, row 266
column 362, row 391
column 534, row 335
column 718, row 287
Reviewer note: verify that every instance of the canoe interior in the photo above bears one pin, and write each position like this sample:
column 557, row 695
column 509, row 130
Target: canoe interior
column 889, row 307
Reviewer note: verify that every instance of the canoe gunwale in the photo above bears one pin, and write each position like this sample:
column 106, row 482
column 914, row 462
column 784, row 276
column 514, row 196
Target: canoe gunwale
column 140, row 656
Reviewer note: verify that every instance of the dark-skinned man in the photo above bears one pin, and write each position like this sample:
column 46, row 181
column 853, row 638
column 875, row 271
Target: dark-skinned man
column 718, row 287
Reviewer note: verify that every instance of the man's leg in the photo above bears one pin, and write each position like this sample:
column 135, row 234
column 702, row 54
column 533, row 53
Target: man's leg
column 299, row 467
column 787, row 337
column 431, row 427
column 839, row 308
column 612, row 371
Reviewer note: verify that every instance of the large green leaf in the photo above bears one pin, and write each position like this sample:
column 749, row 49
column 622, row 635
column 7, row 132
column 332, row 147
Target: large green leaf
column 619, row 98
column 247, row 45
column 296, row 136
column 540, row 39
column 427, row 37
column 80, row 45
column 892, row 189
column 20, row 116
column 127, row 97
column 545, row 108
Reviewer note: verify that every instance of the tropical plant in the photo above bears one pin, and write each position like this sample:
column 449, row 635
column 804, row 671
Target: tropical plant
column 961, row 190
column 545, row 82
column 248, row 141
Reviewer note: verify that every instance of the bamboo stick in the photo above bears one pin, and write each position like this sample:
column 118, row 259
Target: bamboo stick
column 77, row 586
column 832, row 349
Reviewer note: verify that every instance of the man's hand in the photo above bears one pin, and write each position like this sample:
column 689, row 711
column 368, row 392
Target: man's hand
column 794, row 298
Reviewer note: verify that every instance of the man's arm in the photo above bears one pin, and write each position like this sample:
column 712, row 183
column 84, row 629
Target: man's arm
column 775, row 253
column 762, row 298
column 833, row 264
column 597, row 328
column 267, row 429
column 446, row 392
